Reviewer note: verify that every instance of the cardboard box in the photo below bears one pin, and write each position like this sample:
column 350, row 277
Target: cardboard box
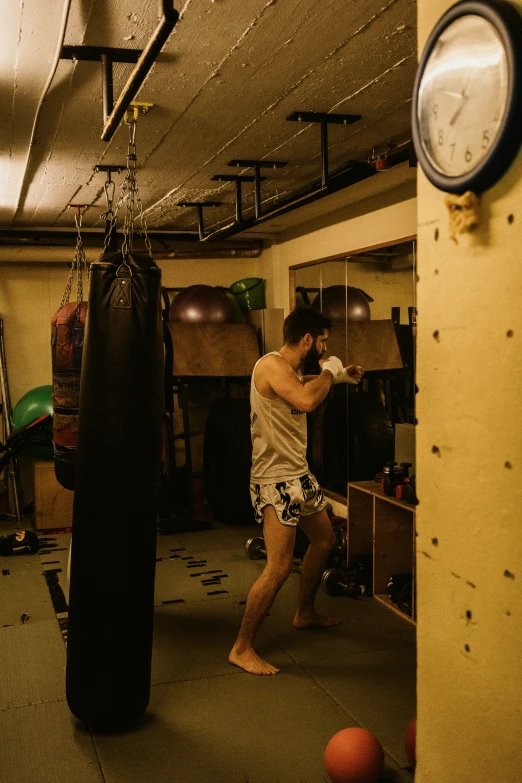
column 53, row 504
column 269, row 328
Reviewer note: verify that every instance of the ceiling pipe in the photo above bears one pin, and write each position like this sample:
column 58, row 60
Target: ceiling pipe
column 43, row 96
column 34, row 254
column 42, row 235
column 251, row 252
column 169, row 17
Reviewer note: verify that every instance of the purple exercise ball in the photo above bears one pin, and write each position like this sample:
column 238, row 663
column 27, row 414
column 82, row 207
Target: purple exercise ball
column 332, row 303
column 201, row 304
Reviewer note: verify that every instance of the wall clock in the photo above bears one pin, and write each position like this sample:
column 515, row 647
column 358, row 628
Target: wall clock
column 467, row 98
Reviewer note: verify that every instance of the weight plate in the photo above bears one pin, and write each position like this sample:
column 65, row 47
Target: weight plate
column 253, row 548
column 408, row 495
column 334, row 561
column 333, row 581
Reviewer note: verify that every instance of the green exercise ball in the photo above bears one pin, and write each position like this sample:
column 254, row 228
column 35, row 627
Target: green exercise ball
column 37, row 402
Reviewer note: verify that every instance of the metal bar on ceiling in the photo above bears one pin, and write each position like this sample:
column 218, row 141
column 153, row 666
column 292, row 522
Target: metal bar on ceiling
column 324, row 153
column 108, row 55
column 238, row 179
column 257, row 165
column 324, row 120
column 239, row 214
column 169, row 17
column 95, row 53
column 198, row 205
column 257, row 196
column 107, row 86
column 363, row 170
column 357, row 172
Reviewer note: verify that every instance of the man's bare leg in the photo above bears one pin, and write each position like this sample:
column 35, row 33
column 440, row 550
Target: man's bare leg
column 279, row 545
column 318, row 529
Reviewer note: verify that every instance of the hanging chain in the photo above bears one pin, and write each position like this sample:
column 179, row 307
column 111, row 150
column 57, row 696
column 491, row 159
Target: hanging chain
column 81, row 263
column 78, row 266
column 110, row 189
column 130, row 196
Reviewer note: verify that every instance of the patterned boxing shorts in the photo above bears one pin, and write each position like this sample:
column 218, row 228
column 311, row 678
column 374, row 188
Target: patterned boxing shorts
column 291, row 499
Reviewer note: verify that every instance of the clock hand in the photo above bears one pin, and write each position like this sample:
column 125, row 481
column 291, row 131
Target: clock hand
column 457, row 113
column 454, row 94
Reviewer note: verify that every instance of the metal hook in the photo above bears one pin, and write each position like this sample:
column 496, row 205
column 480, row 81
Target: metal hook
column 131, row 115
column 109, row 186
column 122, row 274
column 132, row 132
column 79, row 213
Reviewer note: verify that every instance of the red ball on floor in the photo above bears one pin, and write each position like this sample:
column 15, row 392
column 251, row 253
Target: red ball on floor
column 354, row 756
column 410, row 741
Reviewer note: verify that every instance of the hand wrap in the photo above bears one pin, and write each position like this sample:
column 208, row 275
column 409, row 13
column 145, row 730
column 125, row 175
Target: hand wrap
column 335, row 366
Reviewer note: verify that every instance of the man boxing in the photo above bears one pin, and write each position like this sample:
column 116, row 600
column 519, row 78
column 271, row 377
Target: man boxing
column 284, row 493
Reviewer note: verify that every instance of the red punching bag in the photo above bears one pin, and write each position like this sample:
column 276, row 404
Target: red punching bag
column 67, row 334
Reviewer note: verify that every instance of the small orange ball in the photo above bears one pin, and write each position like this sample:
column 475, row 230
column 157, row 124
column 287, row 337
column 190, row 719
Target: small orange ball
column 354, row 756
column 410, row 741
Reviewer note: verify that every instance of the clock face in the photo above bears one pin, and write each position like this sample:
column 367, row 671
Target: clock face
column 463, row 96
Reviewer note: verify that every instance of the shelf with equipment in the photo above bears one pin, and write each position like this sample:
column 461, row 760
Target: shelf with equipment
column 383, row 527
column 224, row 352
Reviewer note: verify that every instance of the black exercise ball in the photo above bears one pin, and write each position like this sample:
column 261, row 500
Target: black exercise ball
column 332, row 303
column 201, row 304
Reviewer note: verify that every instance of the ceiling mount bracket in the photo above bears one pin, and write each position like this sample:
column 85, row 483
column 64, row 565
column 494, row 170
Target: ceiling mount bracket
column 199, row 206
column 238, row 179
column 114, row 112
column 134, row 108
column 257, row 165
column 103, row 168
column 324, row 120
column 107, row 55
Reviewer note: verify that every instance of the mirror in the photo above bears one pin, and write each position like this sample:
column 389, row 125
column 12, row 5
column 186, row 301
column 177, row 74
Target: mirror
column 370, row 299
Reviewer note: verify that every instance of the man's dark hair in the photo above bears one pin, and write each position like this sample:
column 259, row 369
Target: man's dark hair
column 301, row 321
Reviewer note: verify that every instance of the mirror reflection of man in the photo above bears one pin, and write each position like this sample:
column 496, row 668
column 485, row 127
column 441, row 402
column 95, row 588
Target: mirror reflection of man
column 284, row 492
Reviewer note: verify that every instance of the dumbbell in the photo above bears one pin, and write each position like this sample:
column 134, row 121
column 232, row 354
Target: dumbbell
column 334, row 582
column 396, row 475
column 256, row 551
column 406, row 491
column 337, row 556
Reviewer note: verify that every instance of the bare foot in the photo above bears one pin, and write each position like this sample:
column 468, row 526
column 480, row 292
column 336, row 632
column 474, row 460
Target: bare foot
column 251, row 662
column 313, row 620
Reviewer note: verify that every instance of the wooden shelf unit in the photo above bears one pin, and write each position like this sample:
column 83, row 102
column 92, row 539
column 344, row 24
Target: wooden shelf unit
column 384, row 528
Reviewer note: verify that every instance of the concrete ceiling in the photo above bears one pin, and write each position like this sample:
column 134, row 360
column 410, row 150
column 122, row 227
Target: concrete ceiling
column 229, row 75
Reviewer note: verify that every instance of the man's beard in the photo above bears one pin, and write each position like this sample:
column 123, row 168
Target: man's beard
column 311, row 361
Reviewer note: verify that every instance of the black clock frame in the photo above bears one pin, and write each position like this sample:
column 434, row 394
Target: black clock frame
column 507, row 21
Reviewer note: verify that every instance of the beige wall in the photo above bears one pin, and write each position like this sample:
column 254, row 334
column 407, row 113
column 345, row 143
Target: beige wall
column 469, row 455
column 30, row 293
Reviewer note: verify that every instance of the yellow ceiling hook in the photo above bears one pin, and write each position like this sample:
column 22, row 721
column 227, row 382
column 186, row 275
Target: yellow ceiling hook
column 135, row 107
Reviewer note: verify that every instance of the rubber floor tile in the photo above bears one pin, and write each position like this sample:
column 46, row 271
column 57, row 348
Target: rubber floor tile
column 377, row 689
column 193, row 641
column 43, row 744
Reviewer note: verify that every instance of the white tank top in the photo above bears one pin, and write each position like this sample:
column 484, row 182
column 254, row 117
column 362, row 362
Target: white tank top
column 278, row 437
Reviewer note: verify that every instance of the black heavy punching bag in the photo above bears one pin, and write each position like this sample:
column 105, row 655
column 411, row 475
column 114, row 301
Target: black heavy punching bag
column 111, row 598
